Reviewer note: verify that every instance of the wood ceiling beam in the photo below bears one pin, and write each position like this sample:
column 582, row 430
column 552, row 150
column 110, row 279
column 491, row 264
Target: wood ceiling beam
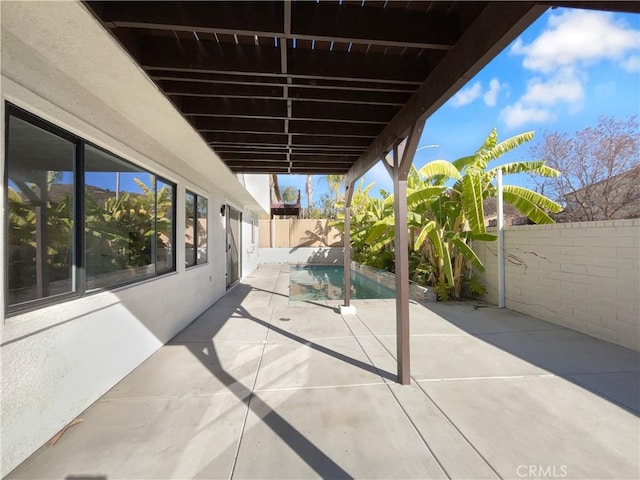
column 245, row 138
column 349, row 96
column 494, row 28
column 299, row 164
column 227, row 156
column 389, row 27
column 239, row 124
column 280, row 168
column 243, row 18
column 174, row 87
column 230, row 79
column 315, row 127
column 304, row 140
column 309, row 21
column 346, row 159
column 167, row 53
column 233, row 107
column 265, row 92
column 337, row 111
column 311, row 63
column 252, row 151
column 346, row 121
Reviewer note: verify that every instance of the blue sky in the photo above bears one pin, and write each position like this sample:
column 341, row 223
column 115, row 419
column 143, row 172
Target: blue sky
column 566, row 70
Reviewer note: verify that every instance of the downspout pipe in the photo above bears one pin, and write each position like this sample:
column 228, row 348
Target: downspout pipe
column 500, row 225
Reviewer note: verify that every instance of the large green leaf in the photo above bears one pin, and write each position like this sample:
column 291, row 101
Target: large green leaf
column 472, row 200
column 463, row 162
column 442, row 250
column 377, row 231
column 537, row 167
column 438, row 168
column 530, row 203
column 468, row 253
column 506, row 146
column 423, row 234
column 483, row 237
column 424, row 195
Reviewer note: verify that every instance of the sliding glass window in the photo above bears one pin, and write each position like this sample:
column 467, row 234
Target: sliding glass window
column 195, row 240
column 58, row 186
column 40, row 212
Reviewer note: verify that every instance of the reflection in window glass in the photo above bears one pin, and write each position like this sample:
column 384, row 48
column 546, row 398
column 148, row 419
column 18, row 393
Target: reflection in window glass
column 119, row 220
column 128, row 216
column 164, row 226
column 40, row 207
column 202, row 230
column 190, row 236
column 195, row 239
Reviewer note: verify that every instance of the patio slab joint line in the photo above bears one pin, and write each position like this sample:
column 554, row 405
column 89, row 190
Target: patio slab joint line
column 424, row 441
column 251, row 395
column 436, row 405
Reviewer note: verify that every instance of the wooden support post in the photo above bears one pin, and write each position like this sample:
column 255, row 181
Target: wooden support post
column 401, row 165
column 347, row 244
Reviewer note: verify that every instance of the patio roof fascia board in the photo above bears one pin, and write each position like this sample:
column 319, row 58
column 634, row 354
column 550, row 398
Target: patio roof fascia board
column 459, row 66
column 600, row 5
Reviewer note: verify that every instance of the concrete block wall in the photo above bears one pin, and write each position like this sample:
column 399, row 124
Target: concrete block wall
column 584, row 276
column 302, row 255
column 298, row 233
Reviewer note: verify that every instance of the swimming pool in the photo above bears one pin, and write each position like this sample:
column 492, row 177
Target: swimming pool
column 326, row 282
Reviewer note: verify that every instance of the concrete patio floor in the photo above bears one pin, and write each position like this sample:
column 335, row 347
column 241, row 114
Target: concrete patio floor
column 260, row 387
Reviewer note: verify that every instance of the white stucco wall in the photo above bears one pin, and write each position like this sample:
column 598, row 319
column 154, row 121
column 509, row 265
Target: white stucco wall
column 249, row 242
column 258, row 186
column 59, row 64
column 302, row 255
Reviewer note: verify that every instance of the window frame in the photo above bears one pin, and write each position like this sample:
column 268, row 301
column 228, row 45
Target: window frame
column 79, row 277
column 194, row 230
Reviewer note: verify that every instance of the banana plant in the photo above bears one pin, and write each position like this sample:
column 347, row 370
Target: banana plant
column 458, row 213
column 445, row 211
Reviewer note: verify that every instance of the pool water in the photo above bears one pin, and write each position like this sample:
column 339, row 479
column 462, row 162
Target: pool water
column 326, row 282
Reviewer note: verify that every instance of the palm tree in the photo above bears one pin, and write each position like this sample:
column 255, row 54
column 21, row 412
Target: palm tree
column 276, row 196
column 335, row 183
column 309, row 188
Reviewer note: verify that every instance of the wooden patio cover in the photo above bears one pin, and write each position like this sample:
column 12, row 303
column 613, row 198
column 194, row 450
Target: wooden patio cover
column 312, row 87
column 306, row 87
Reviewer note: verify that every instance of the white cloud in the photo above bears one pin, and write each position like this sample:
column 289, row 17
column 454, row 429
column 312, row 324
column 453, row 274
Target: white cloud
column 577, row 37
column 631, row 64
column 518, row 114
column 491, row 95
column 573, row 41
column 545, row 96
column 564, row 86
column 467, row 95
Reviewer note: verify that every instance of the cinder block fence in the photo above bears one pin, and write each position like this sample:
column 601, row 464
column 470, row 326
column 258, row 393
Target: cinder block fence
column 584, row 276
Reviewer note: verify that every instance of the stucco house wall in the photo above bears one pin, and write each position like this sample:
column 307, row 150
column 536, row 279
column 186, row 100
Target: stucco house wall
column 59, row 64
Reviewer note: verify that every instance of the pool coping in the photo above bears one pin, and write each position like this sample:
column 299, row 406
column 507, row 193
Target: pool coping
column 417, row 292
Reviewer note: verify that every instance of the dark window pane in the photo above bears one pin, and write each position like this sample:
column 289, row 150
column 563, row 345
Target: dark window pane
column 202, row 230
column 189, row 237
column 40, row 212
column 165, row 257
column 119, row 220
